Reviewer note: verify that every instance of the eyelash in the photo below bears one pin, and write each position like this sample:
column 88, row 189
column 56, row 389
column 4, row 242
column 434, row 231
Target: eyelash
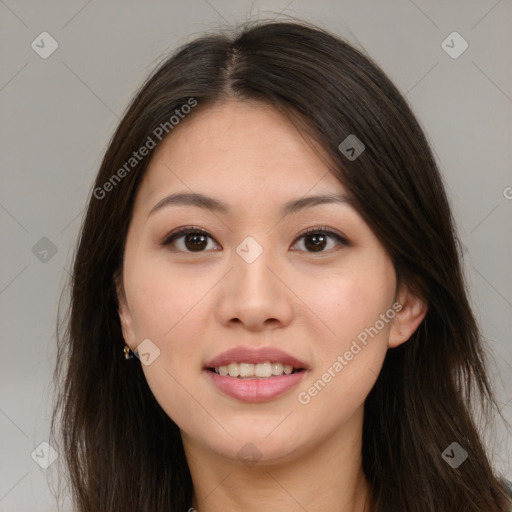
column 195, row 230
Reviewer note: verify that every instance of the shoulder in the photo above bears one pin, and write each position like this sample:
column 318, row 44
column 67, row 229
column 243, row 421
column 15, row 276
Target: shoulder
column 508, row 486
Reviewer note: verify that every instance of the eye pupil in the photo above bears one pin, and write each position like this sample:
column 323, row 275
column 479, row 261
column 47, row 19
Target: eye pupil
column 318, row 242
column 197, row 240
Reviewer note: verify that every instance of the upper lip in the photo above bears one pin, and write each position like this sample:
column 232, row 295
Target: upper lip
column 254, row 356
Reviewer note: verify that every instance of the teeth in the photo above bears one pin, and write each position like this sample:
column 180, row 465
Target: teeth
column 263, row 370
column 260, row 370
column 246, row 370
column 277, row 368
column 232, row 369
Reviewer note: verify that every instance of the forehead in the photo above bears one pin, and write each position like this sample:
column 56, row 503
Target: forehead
column 245, row 149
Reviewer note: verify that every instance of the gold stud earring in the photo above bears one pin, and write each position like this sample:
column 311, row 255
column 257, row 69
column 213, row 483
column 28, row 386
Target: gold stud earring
column 128, row 354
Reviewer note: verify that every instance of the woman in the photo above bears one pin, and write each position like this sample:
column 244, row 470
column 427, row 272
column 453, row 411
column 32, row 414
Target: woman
column 269, row 234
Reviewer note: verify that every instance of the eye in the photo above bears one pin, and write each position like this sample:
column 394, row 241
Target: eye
column 316, row 239
column 194, row 239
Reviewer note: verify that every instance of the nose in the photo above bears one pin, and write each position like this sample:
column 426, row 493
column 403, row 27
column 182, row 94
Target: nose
column 255, row 295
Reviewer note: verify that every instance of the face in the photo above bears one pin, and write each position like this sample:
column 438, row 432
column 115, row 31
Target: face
column 307, row 289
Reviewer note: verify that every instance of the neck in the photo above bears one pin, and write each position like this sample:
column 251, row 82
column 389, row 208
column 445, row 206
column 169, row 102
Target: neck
column 328, row 472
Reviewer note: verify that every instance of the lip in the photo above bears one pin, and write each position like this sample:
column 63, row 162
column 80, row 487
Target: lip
column 254, row 356
column 255, row 390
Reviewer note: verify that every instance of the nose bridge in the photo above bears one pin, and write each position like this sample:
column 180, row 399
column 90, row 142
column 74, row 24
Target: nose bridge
column 251, row 262
column 252, row 294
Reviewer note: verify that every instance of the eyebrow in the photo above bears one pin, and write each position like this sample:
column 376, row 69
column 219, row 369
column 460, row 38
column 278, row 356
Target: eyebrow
column 214, row 205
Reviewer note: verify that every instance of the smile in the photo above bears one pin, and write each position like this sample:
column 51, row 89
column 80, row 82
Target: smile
column 259, row 370
column 254, row 374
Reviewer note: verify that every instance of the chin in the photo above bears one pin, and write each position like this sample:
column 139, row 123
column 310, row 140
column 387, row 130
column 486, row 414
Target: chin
column 260, row 448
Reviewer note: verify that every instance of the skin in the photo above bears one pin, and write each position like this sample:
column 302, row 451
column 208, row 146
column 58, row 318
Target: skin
column 194, row 305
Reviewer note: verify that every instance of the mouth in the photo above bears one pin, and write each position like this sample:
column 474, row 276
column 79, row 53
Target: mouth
column 264, row 370
column 255, row 374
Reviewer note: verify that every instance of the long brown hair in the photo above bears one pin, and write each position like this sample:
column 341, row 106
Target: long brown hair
column 123, row 453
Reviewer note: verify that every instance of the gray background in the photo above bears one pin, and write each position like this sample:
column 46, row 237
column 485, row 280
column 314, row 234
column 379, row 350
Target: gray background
column 58, row 114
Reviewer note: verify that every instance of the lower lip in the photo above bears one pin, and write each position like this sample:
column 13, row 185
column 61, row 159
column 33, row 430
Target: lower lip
column 255, row 390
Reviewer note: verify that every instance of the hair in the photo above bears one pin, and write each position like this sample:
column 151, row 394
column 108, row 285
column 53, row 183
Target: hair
column 122, row 452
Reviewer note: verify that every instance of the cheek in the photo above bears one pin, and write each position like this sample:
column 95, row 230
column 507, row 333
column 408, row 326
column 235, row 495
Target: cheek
column 352, row 301
column 353, row 346
column 166, row 308
column 163, row 298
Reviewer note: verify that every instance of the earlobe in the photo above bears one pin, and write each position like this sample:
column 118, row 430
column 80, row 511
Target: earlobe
column 408, row 319
column 125, row 317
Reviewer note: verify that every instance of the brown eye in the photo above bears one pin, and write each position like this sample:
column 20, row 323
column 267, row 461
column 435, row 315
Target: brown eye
column 195, row 241
column 192, row 239
column 316, row 240
column 188, row 240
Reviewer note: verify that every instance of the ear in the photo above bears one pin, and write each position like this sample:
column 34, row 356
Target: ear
column 125, row 316
column 408, row 318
